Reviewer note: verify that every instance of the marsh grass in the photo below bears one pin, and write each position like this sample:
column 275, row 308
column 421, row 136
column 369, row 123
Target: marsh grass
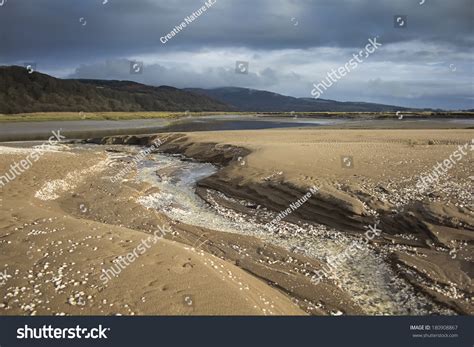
column 76, row 116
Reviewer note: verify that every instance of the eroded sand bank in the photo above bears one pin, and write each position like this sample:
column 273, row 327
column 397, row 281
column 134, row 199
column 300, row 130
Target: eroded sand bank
column 62, row 222
column 427, row 233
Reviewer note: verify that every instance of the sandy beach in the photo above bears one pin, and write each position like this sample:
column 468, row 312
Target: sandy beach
column 53, row 250
column 63, row 222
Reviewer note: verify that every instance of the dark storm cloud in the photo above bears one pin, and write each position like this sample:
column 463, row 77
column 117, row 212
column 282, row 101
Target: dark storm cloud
column 284, row 56
column 52, row 27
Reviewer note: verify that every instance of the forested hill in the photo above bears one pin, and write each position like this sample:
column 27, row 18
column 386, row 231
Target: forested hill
column 22, row 92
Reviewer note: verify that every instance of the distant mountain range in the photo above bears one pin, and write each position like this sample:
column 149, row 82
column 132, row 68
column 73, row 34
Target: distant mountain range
column 22, row 92
column 250, row 100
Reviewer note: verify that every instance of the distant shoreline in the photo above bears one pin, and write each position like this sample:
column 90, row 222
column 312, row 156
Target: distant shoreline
column 111, row 116
column 75, row 129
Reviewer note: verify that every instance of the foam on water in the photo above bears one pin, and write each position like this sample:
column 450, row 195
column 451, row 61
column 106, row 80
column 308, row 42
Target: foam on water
column 366, row 276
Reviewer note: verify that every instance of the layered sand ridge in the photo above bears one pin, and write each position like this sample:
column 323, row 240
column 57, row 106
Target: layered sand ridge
column 427, row 234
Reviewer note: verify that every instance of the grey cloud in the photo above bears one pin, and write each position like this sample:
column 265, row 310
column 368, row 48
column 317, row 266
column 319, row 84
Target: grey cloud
column 156, row 74
column 284, row 57
column 51, row 27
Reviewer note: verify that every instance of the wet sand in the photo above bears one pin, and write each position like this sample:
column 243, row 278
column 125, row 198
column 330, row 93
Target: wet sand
column 56, row 244
column 82, row 222
column 80, row 129
column 272, row 168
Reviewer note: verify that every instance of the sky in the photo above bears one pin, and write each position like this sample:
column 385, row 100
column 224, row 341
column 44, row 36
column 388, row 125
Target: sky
column 425, row 60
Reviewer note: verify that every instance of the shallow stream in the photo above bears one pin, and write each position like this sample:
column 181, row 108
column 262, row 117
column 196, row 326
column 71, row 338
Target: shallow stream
column 366, row 276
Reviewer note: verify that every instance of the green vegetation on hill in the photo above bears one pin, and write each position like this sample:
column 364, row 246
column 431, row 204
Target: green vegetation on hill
column 38, row 97
column 21, row 92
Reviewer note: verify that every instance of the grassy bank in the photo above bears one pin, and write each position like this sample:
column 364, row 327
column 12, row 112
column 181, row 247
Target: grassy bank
column 75, row 116
column 70, row 116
